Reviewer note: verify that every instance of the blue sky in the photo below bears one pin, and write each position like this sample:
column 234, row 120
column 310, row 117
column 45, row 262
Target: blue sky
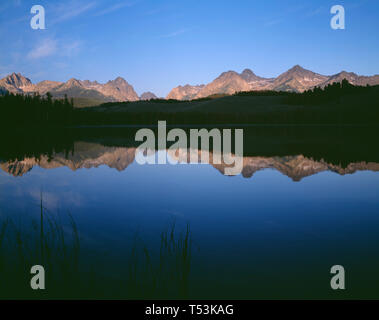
column 158, row 44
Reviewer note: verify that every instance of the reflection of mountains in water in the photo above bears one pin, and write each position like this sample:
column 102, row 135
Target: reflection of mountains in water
column 92, row 155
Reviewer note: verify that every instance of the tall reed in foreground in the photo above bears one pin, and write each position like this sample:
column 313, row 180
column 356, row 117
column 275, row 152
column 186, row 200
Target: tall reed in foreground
column 165, row 276
column 57, row 247
column 48, row 243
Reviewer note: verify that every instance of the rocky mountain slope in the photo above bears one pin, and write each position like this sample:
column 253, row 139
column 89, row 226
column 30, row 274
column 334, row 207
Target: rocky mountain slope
column 16, row 83
column 352, row 78
column 186, row 92
column 227, row 83
column 147, row 96
column 114, row 90
column 296, row 79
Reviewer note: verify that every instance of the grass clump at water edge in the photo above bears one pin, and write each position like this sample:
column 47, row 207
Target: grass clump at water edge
column 57, row 247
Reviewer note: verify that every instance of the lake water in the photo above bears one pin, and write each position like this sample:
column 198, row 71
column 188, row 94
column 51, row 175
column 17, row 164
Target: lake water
column 302, row 204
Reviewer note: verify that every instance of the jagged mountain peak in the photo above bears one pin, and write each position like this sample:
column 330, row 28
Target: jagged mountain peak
column 228, row 74
column 118, row 81
column 299, row 70
column 227, row 83
column 297, row 67
column 17, row 80
column 250, row 76
column 352, row 77
column 74, row 82
column 297, row 79
column 247, row 72
column 186, row 92
column 148, row 96
column 120, row 89
column 346, row 73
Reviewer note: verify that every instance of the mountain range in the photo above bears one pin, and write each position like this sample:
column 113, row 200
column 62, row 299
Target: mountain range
column 114, row 90
column 296, row 79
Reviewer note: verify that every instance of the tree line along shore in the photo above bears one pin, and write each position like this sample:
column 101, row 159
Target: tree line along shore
column 337, row 103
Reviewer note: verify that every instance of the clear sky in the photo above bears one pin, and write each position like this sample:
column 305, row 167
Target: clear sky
column 158, row 44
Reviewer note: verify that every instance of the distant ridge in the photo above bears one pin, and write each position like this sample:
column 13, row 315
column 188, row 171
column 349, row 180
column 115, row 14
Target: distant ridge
column 296, row 79
column 148, row 96
column 114, row 90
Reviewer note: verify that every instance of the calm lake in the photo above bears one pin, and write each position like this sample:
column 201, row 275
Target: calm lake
column 108, row 227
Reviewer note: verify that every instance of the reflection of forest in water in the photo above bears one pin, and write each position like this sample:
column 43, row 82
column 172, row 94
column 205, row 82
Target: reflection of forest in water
column 296, row 151
column 91, row 155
